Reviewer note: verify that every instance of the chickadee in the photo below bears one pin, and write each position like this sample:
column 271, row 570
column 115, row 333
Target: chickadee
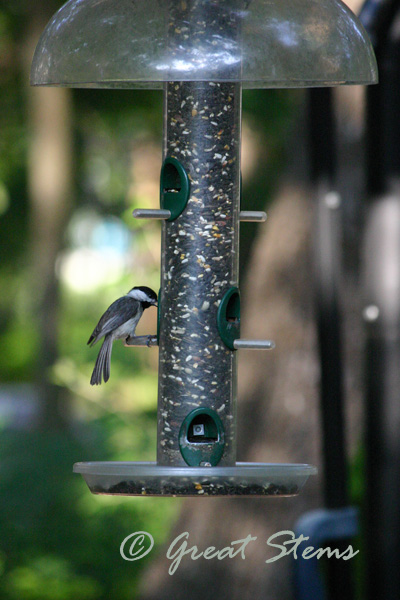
column 119, row 322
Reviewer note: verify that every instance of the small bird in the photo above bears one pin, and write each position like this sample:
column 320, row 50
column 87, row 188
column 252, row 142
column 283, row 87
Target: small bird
column 119, row 322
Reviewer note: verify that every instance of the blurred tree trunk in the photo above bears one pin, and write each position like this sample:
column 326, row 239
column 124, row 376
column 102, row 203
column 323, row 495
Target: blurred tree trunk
column 50, row 183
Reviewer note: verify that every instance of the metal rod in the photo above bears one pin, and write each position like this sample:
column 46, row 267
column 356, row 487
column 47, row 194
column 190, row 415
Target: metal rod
column 254, row 344
column 151, row 213
column 142, row 340
column 250, row 216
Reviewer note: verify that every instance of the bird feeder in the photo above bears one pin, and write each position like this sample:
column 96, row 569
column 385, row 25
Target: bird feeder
column 201, row 53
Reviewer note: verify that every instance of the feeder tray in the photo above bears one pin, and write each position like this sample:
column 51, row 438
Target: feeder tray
column 201, row 53
column 149, row 479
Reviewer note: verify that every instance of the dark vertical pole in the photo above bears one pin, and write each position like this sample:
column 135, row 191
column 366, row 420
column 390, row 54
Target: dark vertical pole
column 322, row 140
column 327, row 272
column 327, row 244
column 382, row 312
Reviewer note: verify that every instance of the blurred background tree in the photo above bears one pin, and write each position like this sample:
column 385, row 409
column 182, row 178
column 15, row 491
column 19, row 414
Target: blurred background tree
column 73, row 166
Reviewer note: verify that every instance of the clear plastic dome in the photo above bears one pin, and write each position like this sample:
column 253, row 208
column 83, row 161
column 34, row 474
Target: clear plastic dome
column 261, row 43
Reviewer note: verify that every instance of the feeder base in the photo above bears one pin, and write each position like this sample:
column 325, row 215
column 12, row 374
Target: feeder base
column 151, row 479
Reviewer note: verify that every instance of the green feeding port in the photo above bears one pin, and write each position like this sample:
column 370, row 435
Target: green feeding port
column 174, row 188
column 202, row 438
column 228, row 317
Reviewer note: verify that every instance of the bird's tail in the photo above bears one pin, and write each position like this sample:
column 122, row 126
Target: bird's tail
column 103, row 362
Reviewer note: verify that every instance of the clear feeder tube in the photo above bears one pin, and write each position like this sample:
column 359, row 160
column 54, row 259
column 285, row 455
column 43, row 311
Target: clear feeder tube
column 202, row 130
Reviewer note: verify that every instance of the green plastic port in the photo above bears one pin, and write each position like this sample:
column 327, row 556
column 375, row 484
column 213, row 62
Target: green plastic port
column 202, row 438
column 228, row 317
column 175, row 187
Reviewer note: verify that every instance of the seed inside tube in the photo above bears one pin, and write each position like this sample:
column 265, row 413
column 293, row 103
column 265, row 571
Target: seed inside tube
column 202, row 246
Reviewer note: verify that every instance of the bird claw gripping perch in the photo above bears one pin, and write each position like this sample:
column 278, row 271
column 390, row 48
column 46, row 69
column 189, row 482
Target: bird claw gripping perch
column 141, row 340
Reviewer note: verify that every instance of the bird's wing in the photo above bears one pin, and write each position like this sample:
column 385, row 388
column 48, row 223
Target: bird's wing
column 117, row 314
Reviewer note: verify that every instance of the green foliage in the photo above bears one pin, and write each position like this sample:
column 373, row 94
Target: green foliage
column 58, row 541
column 108, row 124
column 50, row 578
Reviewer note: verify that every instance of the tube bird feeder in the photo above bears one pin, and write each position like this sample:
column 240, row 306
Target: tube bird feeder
column 201, row 53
